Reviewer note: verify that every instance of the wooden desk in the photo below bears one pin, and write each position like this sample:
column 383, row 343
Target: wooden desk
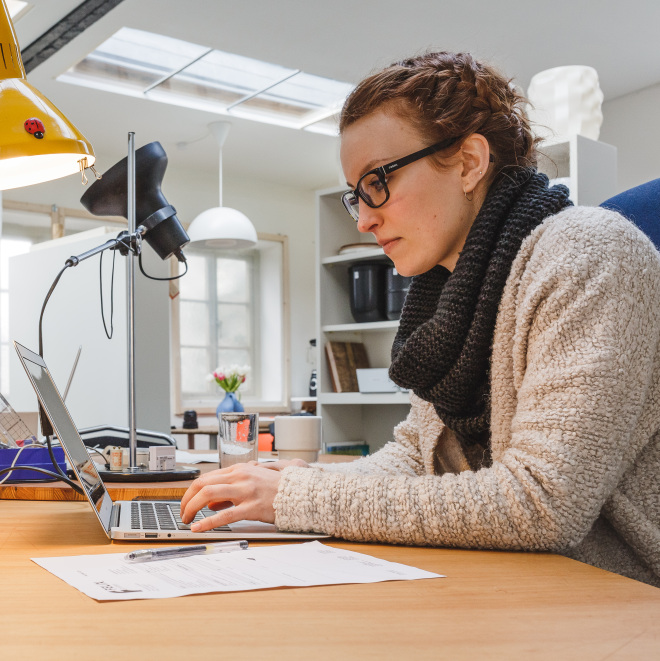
column 492, row 605
column 123, row 490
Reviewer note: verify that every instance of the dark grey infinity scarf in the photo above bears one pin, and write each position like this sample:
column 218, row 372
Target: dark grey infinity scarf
column 442, row 348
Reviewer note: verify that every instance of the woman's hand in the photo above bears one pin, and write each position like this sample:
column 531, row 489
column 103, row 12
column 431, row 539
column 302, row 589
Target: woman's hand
column 249, row 487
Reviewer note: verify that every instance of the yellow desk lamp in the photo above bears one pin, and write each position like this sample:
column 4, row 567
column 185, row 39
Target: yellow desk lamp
column 37, row 142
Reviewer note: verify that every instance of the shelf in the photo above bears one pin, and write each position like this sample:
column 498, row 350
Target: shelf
column 350, row 416
column 355, row 256
column 364, row 398
column 356, row 328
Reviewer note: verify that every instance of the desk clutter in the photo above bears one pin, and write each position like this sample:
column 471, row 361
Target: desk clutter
column 19, row 447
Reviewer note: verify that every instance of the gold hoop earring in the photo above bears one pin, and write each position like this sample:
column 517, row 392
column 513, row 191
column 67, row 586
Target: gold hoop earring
column 469, row 199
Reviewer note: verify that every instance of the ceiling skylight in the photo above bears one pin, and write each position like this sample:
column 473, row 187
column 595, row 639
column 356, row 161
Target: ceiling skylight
column 138, row 63
column 16, row 8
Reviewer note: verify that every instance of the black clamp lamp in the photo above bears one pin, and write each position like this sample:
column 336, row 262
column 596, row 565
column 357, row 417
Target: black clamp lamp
column 132, row 188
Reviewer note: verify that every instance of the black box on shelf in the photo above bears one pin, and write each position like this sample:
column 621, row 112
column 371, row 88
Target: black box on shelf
column 367, row 291
column 397, row 289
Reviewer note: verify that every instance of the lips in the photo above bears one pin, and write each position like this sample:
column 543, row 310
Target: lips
column 388, row 245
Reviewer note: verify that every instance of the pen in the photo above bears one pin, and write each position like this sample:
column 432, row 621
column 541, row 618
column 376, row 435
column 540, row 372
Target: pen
column 183, row 551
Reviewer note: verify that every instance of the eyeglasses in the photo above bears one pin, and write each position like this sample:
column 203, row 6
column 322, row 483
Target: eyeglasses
column 372, row 187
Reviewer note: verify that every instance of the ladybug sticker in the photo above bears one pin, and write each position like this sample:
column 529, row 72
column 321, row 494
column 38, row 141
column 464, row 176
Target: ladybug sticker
column 35, row 127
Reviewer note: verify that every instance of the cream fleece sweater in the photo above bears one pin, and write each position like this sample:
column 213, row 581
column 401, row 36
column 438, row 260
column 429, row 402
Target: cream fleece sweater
column 575, row 386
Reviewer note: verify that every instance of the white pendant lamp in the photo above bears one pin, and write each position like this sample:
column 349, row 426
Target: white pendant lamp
column 222, row 227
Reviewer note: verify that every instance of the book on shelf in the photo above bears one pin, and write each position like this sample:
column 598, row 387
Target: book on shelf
column 344, row 359
column 359, row 448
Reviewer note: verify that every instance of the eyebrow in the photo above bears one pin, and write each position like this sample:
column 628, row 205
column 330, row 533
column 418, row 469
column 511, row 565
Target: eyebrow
column 371, row 165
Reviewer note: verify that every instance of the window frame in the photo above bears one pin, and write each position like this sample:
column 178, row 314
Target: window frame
column 178, row 405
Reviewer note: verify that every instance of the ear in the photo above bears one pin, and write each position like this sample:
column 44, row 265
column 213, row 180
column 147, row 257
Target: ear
column 475, row 153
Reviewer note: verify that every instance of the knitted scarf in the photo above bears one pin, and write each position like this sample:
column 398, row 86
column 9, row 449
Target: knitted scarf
column 443, row 345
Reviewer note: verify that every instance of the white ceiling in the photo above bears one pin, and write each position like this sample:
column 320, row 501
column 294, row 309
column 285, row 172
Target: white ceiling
column 341, row 39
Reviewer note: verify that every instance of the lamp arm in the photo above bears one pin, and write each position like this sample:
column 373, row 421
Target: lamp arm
column 124, row 239
column 74, row 260
column 128, row 241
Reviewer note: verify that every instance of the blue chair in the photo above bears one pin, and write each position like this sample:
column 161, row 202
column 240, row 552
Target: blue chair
column 641, row 205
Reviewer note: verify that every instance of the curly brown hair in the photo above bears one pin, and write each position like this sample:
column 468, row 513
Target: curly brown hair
column 450, row 95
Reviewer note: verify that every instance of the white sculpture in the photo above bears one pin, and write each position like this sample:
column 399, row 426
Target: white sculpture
column 565, row 101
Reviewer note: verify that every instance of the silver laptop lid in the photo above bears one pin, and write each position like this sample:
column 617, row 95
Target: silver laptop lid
column 66, row 431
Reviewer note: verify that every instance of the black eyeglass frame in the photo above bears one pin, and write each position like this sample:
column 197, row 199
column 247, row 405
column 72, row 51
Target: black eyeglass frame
column 382, row 172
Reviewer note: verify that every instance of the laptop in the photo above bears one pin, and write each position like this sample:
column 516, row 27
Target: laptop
column 128, row 520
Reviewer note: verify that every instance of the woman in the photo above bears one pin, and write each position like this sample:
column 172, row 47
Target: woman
column 529, row 338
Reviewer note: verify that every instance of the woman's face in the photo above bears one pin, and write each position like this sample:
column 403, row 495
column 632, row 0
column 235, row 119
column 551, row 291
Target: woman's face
column 426, row 220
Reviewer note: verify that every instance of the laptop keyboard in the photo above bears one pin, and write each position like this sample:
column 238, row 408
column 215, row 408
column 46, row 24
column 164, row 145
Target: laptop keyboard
column 162, row 516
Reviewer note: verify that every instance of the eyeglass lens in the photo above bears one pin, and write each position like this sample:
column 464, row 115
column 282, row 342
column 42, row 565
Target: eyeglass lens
column 372, row 189
column 352, row 204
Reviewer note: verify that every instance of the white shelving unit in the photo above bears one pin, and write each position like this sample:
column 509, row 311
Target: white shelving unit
column 589, row 166
column 349, row 416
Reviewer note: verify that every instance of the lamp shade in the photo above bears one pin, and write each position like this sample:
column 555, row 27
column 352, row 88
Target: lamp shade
column 109, row 197
column 37, row 141
column 222, row 227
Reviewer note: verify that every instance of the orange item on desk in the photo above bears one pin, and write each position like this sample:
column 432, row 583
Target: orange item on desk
column 265, row 442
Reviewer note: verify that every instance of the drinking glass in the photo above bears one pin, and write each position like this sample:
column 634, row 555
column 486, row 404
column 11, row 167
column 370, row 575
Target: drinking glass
column 239, row 438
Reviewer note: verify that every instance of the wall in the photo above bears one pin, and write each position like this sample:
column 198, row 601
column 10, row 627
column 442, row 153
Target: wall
column 99, row 391
column 631, row 124
column 272, row 208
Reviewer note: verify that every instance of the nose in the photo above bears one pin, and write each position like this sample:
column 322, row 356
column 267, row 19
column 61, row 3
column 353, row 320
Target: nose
column 369, row 219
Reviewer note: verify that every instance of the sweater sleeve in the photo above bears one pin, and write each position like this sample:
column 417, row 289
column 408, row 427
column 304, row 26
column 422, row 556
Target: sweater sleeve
column 580, row 331
column 402, row 456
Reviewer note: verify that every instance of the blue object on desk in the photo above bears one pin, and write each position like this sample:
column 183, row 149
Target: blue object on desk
column 37, row 457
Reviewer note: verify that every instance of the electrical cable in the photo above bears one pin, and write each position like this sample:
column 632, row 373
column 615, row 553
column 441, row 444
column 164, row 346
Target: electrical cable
column 112, row 294
column 151, row 277
column 105, row 459
column 54, row 476
column 46, row 427
column 18, row 454
column 43, row 307
column 59, row 471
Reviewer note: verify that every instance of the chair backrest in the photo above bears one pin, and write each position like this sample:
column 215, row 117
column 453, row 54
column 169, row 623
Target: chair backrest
column 641, row 205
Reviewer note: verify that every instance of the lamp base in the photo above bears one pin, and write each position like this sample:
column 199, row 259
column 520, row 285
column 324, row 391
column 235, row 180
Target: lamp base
column 145, row 475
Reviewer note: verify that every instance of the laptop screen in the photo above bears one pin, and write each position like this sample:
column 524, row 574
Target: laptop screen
column 66, row 431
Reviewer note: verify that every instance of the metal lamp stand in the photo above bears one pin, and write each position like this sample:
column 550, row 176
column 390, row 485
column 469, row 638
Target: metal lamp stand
column 135, row 473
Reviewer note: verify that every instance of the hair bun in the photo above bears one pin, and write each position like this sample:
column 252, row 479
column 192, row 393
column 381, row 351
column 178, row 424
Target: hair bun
column 446, row 94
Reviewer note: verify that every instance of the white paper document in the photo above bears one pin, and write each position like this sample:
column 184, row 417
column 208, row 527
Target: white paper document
column 183, row 457
column 111, row 577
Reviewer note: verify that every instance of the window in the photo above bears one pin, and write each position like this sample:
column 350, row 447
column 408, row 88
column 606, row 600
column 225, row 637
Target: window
column 230, row 309
column 153, row 66
column 17, row 8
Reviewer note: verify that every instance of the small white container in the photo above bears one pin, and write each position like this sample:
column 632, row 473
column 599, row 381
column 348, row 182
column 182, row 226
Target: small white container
column 298, row 437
